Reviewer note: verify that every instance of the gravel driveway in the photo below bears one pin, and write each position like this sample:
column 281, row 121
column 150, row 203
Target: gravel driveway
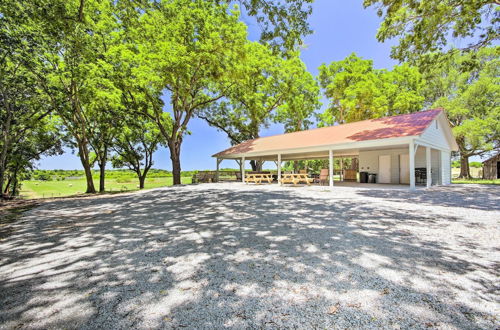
column 230, row 255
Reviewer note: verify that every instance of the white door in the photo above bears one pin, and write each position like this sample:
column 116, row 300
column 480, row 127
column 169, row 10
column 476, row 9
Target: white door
column 384, row 169
column 404, row 169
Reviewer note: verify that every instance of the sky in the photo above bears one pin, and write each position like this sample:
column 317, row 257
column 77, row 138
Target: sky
column 340, row 28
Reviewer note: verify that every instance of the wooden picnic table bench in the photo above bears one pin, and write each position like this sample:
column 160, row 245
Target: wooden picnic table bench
column 296, row 178
column 257, row 178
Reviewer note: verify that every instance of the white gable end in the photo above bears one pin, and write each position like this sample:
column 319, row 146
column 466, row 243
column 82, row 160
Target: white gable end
column 435, row 136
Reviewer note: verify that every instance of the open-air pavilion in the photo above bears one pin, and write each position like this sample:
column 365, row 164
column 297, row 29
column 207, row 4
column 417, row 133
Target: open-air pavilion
column 407, row 149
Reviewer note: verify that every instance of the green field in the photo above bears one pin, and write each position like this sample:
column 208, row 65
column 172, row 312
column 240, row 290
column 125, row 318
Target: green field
column 476, row 181
column 48, row 189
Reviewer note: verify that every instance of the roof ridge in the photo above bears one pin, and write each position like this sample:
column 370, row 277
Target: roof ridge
column 345, row 124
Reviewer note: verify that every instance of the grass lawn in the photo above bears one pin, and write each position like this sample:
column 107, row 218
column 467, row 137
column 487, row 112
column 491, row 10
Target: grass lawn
column 43, row 189
column 476, row 174
column 476, row 181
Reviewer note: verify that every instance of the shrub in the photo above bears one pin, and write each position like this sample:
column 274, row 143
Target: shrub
column 476, row 164
column 124, row 180
column 42, row 177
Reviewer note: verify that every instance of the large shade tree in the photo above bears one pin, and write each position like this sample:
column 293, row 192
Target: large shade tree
column 72, row 67
column 105, row 115
column 357, row 91
column 467, row 86
column 188, row 52
column 283, row 24
column 272, row 89
column 436, row 25
column 26, row 129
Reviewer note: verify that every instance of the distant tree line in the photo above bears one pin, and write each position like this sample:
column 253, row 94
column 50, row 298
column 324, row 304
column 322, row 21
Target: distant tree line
column 54, row 175
column 116, row 79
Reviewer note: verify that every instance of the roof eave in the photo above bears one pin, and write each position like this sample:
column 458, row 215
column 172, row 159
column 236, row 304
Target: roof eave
column 324, row 147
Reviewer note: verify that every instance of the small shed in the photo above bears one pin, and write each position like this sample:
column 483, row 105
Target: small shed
column 491, row 168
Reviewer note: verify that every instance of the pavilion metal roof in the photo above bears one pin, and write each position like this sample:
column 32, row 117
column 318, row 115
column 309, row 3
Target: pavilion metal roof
column 413, row 124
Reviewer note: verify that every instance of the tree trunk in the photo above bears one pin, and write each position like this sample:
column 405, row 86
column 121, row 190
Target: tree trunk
column 259, row 165
column 15, row 191
column 90, row 181
column 1, row 181
column 102, row 176
column 7, row 185
column 102, row 169
column 142, row 178
column 5, row 147
column 2, row 178
column 175, row 151
column 12, row 182
column 254, row 165
column 464, row 167
column 176, row 169
column 3, row 158
column 84, row 158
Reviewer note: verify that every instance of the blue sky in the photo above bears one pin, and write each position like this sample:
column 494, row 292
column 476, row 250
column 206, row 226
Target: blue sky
column 340, row 28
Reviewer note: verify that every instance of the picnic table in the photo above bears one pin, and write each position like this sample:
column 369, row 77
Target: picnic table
column 296, row 178
column 257, row 178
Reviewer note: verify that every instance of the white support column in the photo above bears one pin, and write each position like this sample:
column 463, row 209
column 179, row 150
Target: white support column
column 330, row 166
column 428, row 166
column 217, row 170
column 445, row 167
column 243, row 169
column 341, row 169
column 411, row 156
column 278, row 163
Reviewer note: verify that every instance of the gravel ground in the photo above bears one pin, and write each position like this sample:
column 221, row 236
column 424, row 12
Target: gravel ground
column 237, row 256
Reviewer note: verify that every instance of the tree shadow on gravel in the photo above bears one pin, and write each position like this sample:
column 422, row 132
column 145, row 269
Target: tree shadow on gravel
column 216, row 258
column 484, row 197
